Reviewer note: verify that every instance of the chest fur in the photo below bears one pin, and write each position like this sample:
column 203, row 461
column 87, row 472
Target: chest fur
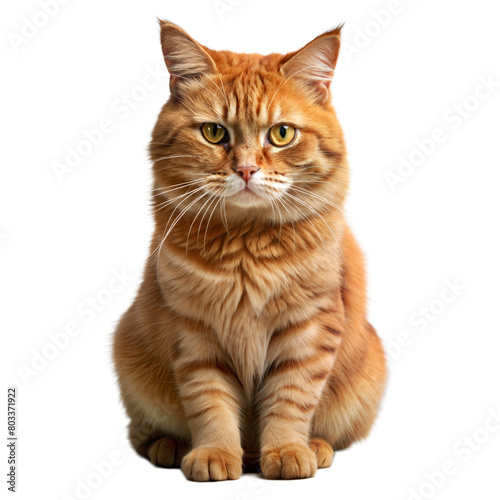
column 245, row 301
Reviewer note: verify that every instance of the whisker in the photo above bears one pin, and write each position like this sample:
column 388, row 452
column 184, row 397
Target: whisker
column 161, row 143
column 175, row 156
column 317, row 197
column 170, row 201
column 282, row 201
column 175, row 187
column 211, row 199
column 208, row 224
column 226, row 225
column 316, row 212
column 194, row 219
column 306, row 217
column 273, row 201
column 173, row 224
column 270, row 199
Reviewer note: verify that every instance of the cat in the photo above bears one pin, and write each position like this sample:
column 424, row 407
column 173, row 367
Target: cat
column 247, row 347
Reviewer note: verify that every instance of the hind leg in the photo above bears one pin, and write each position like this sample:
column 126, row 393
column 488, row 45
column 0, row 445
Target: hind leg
column 350, row 403
column 158, row 432
column 164, row 451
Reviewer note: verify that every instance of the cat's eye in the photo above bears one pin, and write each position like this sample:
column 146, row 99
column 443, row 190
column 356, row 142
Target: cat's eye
column 214, row 133
column 281, row 135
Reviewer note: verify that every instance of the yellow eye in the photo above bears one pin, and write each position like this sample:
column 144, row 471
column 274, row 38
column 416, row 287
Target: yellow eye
column 281, row 135
column 214, row 133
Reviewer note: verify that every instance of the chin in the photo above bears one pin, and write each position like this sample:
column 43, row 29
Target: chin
column 246, row 198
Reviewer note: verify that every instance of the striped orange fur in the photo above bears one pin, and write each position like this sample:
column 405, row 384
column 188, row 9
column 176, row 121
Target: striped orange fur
column 247, row 345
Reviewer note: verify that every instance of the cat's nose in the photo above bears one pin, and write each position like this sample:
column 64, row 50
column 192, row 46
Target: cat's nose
column 246, row 171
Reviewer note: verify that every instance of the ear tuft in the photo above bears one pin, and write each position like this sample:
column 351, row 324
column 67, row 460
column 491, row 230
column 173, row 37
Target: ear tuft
column 184, row 57
column 315, row 63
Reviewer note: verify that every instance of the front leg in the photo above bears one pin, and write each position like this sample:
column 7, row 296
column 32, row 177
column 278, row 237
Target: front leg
column 303, row 358
column 210, row 395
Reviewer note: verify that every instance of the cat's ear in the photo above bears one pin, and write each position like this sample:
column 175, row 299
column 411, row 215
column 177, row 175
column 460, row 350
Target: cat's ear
column 185, row 58
column 314, row 64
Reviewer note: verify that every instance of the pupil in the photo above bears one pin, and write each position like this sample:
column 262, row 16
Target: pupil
column 283, row 131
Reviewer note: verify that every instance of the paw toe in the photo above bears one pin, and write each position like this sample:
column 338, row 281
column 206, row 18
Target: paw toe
column 288, row 462
column 164, row 451
column 323, row 451
column 211, row 464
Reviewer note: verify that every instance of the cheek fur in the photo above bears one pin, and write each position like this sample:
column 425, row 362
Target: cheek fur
column 299, row 153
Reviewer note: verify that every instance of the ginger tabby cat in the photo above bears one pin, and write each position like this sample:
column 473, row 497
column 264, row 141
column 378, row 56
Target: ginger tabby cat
column 247, row 346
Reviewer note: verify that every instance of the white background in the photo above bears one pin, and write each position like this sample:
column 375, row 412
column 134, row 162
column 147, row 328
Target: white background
column 62, row 240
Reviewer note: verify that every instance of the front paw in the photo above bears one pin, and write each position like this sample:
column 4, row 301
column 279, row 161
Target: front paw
column 292, row 461
column 211, row 464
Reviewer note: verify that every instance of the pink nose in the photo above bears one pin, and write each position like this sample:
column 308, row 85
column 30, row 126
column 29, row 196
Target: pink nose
column 246, row 171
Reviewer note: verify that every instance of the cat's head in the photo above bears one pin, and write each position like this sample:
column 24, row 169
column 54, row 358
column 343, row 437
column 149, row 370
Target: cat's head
column 254, row 135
